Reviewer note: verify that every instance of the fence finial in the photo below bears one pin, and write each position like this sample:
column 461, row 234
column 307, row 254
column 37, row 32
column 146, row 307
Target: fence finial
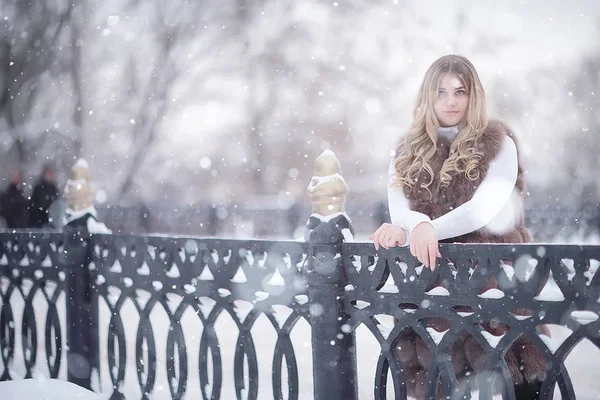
column 327, row 189
column 80, row 194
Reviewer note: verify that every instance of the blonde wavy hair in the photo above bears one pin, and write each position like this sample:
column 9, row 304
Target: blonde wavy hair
column 419, row 143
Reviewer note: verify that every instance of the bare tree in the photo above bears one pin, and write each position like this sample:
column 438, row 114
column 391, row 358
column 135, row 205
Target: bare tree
column 154, row 98
column 175, row 26
column 34, row 43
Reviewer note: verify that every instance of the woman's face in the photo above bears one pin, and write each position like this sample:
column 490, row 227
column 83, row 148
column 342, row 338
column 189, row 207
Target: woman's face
column 452, row 102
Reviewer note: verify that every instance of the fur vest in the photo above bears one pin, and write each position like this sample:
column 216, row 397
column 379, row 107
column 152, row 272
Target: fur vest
column 439, row 199
column 524, row 360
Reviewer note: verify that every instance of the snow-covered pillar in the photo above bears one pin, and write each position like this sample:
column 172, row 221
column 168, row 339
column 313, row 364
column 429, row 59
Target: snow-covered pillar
column 82, row 317
column 333, row 345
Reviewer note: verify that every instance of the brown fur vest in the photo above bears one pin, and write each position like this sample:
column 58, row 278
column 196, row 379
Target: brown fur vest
column 440, row 199
column 524, row 360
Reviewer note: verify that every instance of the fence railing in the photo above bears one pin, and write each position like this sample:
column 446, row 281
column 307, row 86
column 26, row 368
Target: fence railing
column 546, row 224
column 335, row 287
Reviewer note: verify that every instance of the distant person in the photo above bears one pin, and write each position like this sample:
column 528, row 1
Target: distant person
column 45, row 192
column 13, row 204
column 294, row 215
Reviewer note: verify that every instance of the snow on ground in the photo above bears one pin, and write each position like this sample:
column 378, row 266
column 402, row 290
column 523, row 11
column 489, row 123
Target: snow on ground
column 45, row 389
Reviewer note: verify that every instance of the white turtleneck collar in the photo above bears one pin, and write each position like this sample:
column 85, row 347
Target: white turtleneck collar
column 449, row 132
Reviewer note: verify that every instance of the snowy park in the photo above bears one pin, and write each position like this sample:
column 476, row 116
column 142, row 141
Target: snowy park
column 260, row 199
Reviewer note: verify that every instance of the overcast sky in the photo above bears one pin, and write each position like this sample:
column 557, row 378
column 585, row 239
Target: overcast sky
column 545, row 31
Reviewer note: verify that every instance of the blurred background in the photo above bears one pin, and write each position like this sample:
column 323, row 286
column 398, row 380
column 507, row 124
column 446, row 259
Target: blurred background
column 205, row 117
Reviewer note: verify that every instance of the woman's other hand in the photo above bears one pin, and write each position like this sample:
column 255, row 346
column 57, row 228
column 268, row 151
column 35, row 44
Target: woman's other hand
column 388, row 235
column 424, row 244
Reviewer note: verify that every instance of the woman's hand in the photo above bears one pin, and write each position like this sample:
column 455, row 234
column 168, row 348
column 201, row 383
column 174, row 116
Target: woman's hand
column 388, row 235
column 424, row 244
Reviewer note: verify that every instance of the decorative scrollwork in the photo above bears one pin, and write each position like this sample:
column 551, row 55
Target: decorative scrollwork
column 30, row 265
column 496, row 295
column 263, row 274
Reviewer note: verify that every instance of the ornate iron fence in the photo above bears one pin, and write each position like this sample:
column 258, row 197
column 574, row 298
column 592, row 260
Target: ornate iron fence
column 261, row 273
column 536, row 285
column 335, row 286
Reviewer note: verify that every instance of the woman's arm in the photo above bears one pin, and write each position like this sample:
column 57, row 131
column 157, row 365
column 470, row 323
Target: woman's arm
column 487, row 201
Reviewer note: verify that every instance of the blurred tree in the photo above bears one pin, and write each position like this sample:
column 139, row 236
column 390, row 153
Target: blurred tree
column 171, row 25
column 36, row 57
column 584, row 139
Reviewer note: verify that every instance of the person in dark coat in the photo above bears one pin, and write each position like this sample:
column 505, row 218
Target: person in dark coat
column 44, row 194
column 13, row 204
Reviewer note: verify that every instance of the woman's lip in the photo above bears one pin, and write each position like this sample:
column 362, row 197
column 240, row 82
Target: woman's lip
column 451, row 112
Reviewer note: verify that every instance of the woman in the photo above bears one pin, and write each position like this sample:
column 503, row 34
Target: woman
column 456, row 177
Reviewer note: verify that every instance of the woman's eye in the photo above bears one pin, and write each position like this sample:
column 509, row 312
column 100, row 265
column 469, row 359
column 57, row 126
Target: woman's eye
column 441, row 93
column 461, row 92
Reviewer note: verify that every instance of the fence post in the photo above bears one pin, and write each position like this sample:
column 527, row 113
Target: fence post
column 82, row 321
column 80, row 354
column 333, row 345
